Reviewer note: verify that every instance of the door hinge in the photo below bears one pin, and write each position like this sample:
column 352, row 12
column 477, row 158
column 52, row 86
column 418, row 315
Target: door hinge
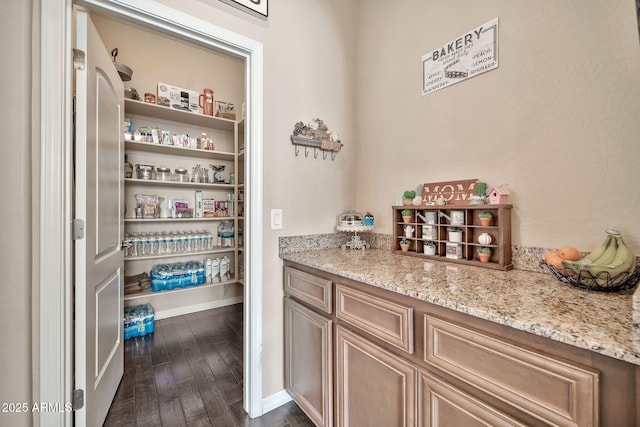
column 125, row 245
column 78, row 229
column 78, row 59
column 78, row 399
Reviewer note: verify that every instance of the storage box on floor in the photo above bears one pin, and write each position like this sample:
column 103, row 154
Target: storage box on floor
column 138, row 321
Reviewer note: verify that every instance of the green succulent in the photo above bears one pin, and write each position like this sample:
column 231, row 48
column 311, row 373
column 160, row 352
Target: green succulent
column 481, row 188
column 485, row 214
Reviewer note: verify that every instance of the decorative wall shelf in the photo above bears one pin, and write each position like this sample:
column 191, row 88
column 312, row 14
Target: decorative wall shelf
column 471, row 228
column 315, row 135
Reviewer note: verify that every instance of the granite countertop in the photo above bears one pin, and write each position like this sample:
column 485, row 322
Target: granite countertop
column 533, row 302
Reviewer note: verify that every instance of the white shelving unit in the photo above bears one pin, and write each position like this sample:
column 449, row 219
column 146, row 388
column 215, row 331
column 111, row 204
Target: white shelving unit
column 227, row 136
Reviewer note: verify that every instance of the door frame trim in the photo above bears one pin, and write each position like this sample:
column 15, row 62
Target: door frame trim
column 54, row 333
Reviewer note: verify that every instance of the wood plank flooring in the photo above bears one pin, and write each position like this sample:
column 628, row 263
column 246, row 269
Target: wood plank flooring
column 189, row 373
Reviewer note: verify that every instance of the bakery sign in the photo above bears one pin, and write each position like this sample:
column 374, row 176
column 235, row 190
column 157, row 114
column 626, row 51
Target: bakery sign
column 473, row 53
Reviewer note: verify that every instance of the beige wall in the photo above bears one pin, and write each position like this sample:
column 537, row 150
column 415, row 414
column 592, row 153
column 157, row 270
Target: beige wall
column 557, row 121
column 15, row 226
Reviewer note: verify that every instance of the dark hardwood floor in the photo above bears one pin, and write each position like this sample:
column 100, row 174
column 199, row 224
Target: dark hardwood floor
column 189, row 373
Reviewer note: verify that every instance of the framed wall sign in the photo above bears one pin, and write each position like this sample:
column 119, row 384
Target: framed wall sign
column 473, row 53
column 257, row 8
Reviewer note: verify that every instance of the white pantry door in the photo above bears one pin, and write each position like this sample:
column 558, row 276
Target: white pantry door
column 99, row 262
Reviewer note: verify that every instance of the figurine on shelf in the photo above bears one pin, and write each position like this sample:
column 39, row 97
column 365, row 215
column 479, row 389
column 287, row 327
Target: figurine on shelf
column 368, row 219
column 408, row 231
column 218, row 173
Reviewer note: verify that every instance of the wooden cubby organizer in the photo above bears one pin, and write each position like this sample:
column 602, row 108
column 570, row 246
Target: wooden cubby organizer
column 499, row 230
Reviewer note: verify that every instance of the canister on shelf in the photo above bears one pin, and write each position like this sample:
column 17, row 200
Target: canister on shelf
column 144, row 171
column 163, row 173
column 181, row 175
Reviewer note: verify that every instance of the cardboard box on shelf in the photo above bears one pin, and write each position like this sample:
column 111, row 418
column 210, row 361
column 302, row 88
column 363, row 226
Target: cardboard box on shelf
column 176, row 97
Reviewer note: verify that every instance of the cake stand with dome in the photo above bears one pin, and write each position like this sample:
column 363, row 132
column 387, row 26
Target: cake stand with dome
column 353, row 222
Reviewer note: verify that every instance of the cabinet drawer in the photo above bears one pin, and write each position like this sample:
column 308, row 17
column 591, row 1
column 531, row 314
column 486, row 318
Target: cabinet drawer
column 547, row 388
column 313, row 290
column 386, row 320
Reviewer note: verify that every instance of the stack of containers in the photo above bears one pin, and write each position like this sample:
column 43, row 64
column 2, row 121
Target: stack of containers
column 165, row 277
column 138, row 321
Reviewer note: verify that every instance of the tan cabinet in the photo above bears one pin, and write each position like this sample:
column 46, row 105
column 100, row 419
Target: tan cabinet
column 373, row 387
column 308, row 361
column 308, row 348
column 399, row 361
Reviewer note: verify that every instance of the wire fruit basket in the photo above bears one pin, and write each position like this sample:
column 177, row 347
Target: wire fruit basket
column 602, row 281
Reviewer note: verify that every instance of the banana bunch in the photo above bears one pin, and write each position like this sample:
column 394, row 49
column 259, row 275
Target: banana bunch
column 608, row 260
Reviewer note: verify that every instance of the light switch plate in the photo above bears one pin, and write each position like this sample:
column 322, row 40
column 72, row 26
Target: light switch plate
column 276, row 219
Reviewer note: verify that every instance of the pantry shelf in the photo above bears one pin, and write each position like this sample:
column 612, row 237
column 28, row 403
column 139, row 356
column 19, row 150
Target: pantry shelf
column 153, row 182
column 226, row 137
column 147, row 293
column 219, row 250
column 150, row 147
column 190, row 219
column 173, row 114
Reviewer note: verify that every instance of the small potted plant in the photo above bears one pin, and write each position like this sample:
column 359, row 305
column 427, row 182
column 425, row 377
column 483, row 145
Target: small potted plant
column 430, row 248
column 484, row 254
column 406, row 215
column 407, row 197
column 480, row 196
column 485, row 218
column 404, row 245
column 368, row 219
column 455, row 234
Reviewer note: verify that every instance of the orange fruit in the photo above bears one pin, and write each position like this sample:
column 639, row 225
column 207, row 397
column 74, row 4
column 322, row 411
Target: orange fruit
column 569, row 253
column 554, row 259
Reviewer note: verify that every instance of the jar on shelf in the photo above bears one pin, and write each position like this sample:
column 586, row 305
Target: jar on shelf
column 163, row 174
column 128, row 167
column 145, row 171
column 181, row 175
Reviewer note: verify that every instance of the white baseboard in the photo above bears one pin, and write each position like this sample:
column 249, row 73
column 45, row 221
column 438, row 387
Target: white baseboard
column 274, row 401
column 164, row 314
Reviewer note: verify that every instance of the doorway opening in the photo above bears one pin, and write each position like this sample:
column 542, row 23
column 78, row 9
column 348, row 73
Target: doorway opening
column 55, row 384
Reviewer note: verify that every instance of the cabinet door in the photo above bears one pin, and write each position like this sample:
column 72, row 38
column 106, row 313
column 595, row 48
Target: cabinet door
column 309, row 362
column 555, row 391
column 441, row 405
column 373, row 387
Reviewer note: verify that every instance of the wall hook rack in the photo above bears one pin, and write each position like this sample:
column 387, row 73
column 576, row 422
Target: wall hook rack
column 315, row 135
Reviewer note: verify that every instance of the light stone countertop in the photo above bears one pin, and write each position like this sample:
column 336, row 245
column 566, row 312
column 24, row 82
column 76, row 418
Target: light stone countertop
column 529, row 301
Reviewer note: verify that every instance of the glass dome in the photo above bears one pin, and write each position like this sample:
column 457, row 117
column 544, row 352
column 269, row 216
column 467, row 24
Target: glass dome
column 350, row 218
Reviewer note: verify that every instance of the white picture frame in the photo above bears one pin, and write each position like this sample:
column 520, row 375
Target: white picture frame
column 257, row 8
